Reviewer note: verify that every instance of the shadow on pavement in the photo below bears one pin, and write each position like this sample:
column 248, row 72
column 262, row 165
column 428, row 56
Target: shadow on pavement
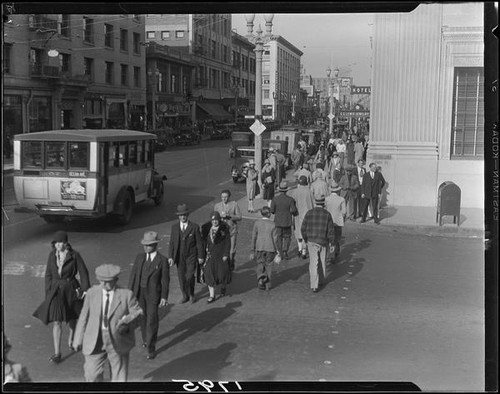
column 197, row 366
column 202, row 322
column 346, row 259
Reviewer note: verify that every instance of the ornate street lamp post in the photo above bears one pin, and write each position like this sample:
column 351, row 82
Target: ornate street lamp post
column 153, row 76
column 331, row 88
column 294, row 98
column 259, row 40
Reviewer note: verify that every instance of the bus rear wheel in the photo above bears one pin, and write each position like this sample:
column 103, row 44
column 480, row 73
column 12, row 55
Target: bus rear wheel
column 128, row 206
column 53, row 218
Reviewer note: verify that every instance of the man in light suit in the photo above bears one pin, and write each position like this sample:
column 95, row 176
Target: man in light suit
column 185, row 251
column 149, row 281
column 105, row 328
column 373, row 183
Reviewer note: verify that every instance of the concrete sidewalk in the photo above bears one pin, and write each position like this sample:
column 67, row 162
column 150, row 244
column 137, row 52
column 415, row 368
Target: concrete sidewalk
column 420, row 220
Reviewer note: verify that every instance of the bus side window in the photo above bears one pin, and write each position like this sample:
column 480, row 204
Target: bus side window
column 148, row 152
column 32, row 154
column 123, row 154
column 55, row 154
column 140, row 151
column 132, row 152
column 78, row 155
column 113, row 155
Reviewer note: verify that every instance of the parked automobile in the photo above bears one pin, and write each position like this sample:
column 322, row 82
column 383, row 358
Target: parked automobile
column 240, row 162
column 187, row 137
column 165, row 138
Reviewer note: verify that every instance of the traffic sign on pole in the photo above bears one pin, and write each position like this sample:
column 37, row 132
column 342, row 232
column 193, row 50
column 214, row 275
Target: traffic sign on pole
column 257, row 127
column 331, row 116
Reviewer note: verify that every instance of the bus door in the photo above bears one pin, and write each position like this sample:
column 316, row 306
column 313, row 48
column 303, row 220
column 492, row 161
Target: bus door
column 103, row 176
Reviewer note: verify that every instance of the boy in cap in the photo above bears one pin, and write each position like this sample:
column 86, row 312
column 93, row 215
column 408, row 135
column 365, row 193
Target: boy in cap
column 318, row 231
column 284, row 209
column 264, row 247
column 149, row 281
column 105, row 328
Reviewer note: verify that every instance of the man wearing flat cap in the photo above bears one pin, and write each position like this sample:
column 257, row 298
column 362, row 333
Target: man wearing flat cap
column 185, row 251
column 105, row 328
column 149, row 281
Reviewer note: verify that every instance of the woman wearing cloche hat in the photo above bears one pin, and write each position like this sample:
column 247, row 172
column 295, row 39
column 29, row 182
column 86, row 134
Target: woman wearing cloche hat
column 63, row 291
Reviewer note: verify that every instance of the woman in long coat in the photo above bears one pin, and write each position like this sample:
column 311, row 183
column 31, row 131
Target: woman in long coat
column 252, row 177
column 63, row 291
column 217, row 242
column 268, row 178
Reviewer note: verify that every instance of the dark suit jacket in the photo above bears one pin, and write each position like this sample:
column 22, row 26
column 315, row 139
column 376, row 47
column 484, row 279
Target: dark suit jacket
column 372, row 187
column 158, row 277
column 283, row 207
column 194, row 244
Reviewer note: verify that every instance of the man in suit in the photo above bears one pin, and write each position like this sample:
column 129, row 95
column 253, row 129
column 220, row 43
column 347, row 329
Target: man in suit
column 284, row 209
column 185, row 251
column 105, row 328
column 336, row 206
column 373, row 182
column 149, row 282
column 359, row 172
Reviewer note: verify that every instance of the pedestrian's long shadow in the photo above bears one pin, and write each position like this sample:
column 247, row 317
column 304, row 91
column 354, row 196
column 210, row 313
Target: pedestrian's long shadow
column 196, row 366
column 203, row 321
column 346, row 259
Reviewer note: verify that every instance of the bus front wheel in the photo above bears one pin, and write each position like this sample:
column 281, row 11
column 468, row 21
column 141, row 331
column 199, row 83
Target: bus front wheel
column 126, row 215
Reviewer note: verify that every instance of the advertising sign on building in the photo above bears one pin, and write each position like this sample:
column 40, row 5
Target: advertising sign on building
column 345, row 82
column 354, row 114
column 361, row 90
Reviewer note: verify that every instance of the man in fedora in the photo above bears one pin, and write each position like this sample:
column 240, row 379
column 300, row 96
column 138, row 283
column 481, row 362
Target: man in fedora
column 283, row 208
column 349, row 183
column 149, row 281
column 336, row 206
column 105, row 328
column 185, row 251
column 318, row 231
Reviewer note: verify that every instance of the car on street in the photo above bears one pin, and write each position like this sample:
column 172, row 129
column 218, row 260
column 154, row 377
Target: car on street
column 187, row 137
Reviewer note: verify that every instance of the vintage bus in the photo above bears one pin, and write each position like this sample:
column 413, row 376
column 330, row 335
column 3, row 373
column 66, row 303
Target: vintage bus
column 85, row 173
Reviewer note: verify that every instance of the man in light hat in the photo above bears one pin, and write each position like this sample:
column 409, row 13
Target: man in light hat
column 185, row 251
column 336, row 206
column 105, row 328
column 283, row 208
column 318, row 231
column 149, row 280
column 304, row 200
column 252, row 185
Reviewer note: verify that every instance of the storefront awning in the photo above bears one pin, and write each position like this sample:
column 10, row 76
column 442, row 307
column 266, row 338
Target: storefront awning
column 215, row 110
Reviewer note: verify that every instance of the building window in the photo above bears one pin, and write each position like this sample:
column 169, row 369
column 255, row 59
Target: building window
column 225, row 54
column 213, row 48
column 137, row 43
column 7, row 48
column 65, row 62
column 123, row 39
column 165, row 35
column 88, row 30
column 64, row 25
column 108, row 35
column 184, row 85
column 150, row 35
column 173, row 84
column 266, row 94
column 36, row 61
column 40, row 114
column 109, row 73
column 467, row 137
column 137, row 77
column 179, row 34
column 88, row 65
column 124, row 74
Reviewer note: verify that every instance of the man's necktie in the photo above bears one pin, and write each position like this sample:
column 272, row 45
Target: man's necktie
column 106, row 308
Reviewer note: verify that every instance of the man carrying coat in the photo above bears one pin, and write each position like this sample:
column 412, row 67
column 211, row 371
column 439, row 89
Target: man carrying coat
column 185, row 251
column 149, row 282
column 371, row 188
column 105, row 328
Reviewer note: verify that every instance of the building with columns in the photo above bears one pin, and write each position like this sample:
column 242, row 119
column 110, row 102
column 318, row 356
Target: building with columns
column 427, row 103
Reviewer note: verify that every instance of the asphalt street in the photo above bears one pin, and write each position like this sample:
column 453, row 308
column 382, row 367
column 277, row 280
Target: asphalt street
column 396, row 306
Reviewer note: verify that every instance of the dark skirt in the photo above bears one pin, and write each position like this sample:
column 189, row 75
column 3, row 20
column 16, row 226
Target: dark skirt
column 268, row 191
column 217, row 272
column 61, row 304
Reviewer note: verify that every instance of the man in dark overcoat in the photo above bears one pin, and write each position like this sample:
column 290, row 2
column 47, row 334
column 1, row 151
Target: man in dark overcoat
column 284, row 209
column 149, row 281
column 371, row 188
column 185, row 251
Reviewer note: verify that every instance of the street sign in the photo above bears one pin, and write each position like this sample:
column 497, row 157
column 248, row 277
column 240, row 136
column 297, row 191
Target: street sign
column 361, row 90
column 257, row 127
column 331, row 116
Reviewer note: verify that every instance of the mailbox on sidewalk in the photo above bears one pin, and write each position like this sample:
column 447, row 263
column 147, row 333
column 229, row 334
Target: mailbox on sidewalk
column 448, row 202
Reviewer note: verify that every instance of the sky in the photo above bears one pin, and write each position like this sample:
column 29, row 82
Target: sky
column 327, row 40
